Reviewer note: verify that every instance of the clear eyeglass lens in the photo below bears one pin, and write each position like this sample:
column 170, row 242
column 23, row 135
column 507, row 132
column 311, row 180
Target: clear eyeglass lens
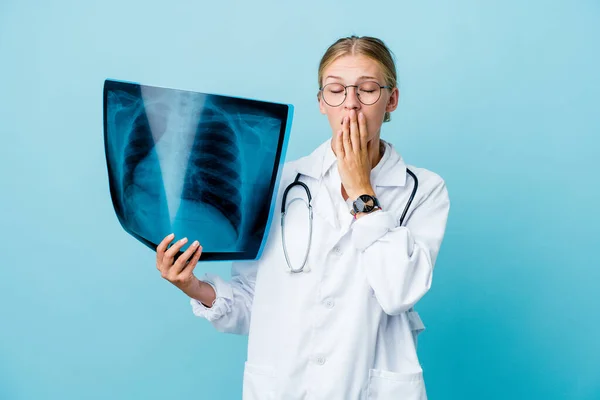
column 368, row 93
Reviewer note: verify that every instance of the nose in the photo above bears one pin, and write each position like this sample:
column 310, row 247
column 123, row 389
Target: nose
column 352, row 101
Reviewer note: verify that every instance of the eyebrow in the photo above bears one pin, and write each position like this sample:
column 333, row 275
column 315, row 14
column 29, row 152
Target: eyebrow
column 359, row 78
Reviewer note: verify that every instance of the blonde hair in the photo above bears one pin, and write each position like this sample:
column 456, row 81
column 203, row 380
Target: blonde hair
column 366, row 46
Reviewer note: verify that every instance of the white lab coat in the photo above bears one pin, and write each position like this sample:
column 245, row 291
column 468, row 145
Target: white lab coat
column 346, row 329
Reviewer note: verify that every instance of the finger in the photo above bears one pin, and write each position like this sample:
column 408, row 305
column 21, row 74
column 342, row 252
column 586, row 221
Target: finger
column 354, row 132
column 346, row 137
column 337, row 143
column 170, row 254
column 160, row 249
column 183, row 259
column 189, row 268
column 362, row 126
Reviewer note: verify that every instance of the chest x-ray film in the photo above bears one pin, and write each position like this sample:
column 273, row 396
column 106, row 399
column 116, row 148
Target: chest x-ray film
column 202, row 166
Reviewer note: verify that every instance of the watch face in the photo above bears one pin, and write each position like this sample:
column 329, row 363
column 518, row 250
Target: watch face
column 364, row 203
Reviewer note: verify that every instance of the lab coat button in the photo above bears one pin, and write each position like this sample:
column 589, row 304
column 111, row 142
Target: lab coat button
column 320, row 360
column 337, row 251
column 329, row 303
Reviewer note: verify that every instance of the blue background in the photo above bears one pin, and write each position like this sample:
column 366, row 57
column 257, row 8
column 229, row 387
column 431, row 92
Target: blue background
column 500, row 98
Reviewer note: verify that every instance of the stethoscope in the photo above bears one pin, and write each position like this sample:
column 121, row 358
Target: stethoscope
column 310, row 216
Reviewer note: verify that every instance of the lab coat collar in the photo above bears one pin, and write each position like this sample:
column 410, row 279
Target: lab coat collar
column 316, row 165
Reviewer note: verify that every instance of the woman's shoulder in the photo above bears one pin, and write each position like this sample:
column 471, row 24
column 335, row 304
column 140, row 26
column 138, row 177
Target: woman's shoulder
column 309, row 165
column 429, row 183
column 401, row 171
column 426, row 176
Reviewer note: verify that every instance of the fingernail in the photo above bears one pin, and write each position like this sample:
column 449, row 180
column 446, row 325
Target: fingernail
column 171, row 235
column 195, row 243
column 184, row 239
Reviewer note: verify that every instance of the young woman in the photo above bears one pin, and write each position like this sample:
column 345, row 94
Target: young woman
column 339, row 324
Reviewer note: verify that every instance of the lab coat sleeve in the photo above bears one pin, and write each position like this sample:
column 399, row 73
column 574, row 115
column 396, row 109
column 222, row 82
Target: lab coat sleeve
column 399, row 261
column 231, row 309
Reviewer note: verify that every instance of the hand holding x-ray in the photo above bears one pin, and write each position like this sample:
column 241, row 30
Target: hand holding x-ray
column 180, row 270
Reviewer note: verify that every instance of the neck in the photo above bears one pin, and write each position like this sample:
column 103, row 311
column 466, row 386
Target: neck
column 375, row 148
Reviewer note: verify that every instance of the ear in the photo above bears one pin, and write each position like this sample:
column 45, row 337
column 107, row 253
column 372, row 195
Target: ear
column 393, row 100
column 321, row 104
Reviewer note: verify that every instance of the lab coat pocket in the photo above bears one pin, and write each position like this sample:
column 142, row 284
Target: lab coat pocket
column 384, row 385
column 259, row 382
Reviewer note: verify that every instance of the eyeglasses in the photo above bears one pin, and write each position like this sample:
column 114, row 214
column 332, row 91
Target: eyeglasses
column 334, row 94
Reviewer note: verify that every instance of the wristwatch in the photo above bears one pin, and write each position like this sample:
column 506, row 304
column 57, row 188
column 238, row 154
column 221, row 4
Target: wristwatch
column 365, row 203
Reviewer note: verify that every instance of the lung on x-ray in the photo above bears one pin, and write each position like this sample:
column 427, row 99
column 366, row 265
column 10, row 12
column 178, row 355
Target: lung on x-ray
column 202, row 166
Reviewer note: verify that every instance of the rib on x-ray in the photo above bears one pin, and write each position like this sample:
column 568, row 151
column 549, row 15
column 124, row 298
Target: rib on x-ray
column 199, row 165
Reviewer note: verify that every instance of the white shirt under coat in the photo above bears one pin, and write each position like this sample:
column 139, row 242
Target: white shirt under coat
column 346, row 328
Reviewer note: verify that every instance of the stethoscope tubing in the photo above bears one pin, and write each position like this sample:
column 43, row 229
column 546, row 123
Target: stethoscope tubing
column 310, row 210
